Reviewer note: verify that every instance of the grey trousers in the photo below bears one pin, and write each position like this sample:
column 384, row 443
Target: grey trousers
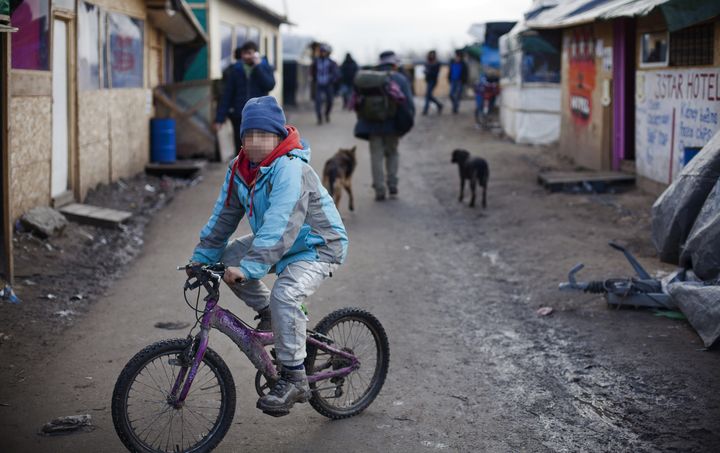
column 384, row 153
column 297, row 282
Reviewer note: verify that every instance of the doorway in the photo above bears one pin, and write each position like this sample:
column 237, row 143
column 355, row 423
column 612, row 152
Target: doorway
column 623, row 152
column 60, row 177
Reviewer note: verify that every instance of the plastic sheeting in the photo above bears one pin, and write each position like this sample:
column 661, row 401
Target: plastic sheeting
column 702, row 249
column 530, row 114
column 701, row 305
column 675, row 211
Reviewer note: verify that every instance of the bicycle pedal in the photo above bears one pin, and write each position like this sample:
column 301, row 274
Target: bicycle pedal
column 276, row 413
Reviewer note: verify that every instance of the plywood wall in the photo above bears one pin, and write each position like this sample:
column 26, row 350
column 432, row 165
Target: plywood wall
column 129, row 132
column 30, row 136
column 586, row 140
column 93, row 139
column 113, row 135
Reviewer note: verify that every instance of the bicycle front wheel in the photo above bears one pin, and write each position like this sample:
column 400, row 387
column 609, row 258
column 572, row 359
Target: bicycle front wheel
column 360, row 333
column 145, row 419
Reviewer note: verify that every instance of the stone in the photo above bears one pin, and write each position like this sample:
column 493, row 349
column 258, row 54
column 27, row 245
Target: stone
column 44, row 221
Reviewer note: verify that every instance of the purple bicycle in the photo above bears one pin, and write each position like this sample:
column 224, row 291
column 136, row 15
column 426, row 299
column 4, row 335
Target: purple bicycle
column 179, row 395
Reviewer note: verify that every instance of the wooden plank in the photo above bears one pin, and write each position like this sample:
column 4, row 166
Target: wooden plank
column 179, row 169
column 30, row 83
column 6, row 247
column 579, row 177
column 95, row 215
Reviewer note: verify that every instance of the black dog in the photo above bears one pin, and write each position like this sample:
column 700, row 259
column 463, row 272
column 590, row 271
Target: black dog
column 473, row 168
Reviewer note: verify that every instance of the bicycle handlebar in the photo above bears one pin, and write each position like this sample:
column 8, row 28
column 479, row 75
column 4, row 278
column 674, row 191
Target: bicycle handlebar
column 214, row 272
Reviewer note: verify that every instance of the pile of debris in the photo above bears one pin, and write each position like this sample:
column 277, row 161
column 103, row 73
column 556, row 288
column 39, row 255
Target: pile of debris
column 63, row 266
column 686, row 232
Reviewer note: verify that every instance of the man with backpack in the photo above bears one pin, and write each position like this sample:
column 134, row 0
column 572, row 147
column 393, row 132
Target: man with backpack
column 249, row 77
column 385, row 110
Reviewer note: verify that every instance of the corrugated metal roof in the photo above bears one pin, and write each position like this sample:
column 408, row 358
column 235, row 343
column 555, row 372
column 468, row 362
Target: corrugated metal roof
column 579, row 12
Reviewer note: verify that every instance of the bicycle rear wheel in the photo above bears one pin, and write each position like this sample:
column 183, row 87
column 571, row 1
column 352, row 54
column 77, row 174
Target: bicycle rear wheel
column 356, row 331
column 145, row 420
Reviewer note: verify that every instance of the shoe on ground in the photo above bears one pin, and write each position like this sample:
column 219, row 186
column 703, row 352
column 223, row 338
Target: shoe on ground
column 440, row 107
column 393, row 192
column 265, row 319
column 380, row 196
column 327, row 118
column 291, row 388
column 319, row 121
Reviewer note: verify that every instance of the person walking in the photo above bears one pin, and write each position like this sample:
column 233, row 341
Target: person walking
column 325, row 73
column 458, row 76
column 249, row 77
column 383, row 121
column 432, row 69
column 348, row 70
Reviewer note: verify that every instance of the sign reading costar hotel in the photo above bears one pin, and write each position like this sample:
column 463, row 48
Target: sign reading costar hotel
column 676, row 111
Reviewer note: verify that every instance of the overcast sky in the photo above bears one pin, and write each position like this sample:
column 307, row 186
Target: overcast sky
column 367, row 27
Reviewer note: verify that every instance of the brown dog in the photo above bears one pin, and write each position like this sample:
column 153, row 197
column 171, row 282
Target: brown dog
column 337, row 175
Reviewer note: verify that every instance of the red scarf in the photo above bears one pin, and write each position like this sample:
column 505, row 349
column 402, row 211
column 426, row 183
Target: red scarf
column 249, row 173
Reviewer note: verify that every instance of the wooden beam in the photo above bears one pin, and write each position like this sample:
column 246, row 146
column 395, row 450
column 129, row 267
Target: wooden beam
column 6, row 258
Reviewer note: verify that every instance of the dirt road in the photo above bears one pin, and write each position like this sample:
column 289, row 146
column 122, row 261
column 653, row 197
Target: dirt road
column 473, row 368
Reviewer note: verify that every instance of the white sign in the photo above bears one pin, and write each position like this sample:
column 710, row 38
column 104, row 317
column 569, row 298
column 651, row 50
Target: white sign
column 675, row 109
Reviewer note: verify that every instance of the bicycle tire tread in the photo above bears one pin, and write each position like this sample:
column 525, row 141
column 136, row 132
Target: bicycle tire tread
column 145, row 355
column 322, row 327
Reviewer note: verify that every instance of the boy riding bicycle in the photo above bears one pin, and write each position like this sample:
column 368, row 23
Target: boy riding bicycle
column 297, row 232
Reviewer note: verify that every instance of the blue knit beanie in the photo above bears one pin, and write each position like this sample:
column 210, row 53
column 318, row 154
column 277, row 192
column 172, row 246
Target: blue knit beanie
column 263, row 113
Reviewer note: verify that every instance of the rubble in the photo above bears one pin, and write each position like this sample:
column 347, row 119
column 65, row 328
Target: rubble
column 7, row 294
column 43, row 221
column 67, row 425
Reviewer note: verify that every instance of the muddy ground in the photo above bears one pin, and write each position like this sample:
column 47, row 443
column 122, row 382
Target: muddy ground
column 473, row 367
column 59, row 278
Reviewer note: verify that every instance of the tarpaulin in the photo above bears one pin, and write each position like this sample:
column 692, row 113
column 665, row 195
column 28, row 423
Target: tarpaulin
column 702, row 248
column 675, row 211
column 701, row 305
column 684, row 13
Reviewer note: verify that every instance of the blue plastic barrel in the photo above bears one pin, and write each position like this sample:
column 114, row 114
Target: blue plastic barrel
column 162, row 140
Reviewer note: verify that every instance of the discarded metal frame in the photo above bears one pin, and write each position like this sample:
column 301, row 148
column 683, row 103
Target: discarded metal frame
column 637, row 291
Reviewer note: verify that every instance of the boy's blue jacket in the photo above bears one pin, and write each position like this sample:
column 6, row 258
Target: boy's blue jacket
column 292, row 217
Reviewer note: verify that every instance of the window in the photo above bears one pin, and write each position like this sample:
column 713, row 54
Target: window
column 241, row 34
column 654, row 49
column 31, row 44
column 254, row 35
column 693, row 46
column 88, row 46
column 125, row 62
column 226, row 45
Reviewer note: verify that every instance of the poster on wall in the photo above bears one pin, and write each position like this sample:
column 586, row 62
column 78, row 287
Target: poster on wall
column 126, row 51
column 581, row 75
column 676, row 113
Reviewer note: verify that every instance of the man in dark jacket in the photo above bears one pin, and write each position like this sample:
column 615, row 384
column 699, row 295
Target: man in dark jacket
column 325, row 73
column 348, row 69
column 249, row 77
column 432, row 69
column 383, row 136
column 458, row 77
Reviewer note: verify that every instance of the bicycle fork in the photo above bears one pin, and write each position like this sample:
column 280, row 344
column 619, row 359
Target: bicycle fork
column 196, row 351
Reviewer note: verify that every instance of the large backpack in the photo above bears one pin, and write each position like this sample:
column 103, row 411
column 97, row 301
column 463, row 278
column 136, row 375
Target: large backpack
column 374, row 103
